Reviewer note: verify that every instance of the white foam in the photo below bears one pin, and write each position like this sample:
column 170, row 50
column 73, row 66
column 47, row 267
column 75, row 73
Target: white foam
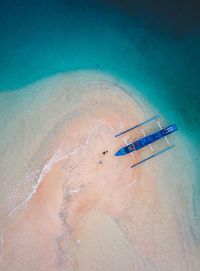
column 48, row 166
column 74, row 191
column 132, row 183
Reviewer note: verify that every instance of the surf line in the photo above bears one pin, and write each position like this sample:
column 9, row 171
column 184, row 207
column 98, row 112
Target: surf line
column 48, row 166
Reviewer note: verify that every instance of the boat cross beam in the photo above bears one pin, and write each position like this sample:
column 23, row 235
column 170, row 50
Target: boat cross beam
column 137, row 125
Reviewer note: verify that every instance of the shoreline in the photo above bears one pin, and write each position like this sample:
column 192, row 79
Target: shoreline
column 60, row 220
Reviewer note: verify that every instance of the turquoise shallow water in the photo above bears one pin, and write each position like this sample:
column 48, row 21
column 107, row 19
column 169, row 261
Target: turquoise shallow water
column 43, row 38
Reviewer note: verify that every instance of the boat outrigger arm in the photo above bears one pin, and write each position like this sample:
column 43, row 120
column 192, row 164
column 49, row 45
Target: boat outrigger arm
column 147, row 140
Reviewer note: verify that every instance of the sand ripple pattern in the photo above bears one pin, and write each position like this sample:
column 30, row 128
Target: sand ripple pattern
column 66, row 203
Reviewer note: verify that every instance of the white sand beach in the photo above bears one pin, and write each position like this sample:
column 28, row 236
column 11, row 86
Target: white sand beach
column 69, row 204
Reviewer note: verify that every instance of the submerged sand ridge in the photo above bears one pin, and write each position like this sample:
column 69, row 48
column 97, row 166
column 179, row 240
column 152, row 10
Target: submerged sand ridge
column 88, row 209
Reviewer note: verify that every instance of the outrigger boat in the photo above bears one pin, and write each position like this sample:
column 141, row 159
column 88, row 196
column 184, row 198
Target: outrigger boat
column 147, row 140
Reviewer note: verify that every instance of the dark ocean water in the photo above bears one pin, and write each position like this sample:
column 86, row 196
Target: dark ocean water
column 154, row 47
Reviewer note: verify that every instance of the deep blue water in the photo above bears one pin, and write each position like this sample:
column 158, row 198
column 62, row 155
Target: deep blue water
column 153, row 45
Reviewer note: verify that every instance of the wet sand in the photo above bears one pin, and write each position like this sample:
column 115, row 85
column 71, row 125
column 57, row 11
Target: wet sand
column 91, row 211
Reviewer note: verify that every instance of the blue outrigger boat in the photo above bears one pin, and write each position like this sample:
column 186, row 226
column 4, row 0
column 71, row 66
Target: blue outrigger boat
column 147, row 140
